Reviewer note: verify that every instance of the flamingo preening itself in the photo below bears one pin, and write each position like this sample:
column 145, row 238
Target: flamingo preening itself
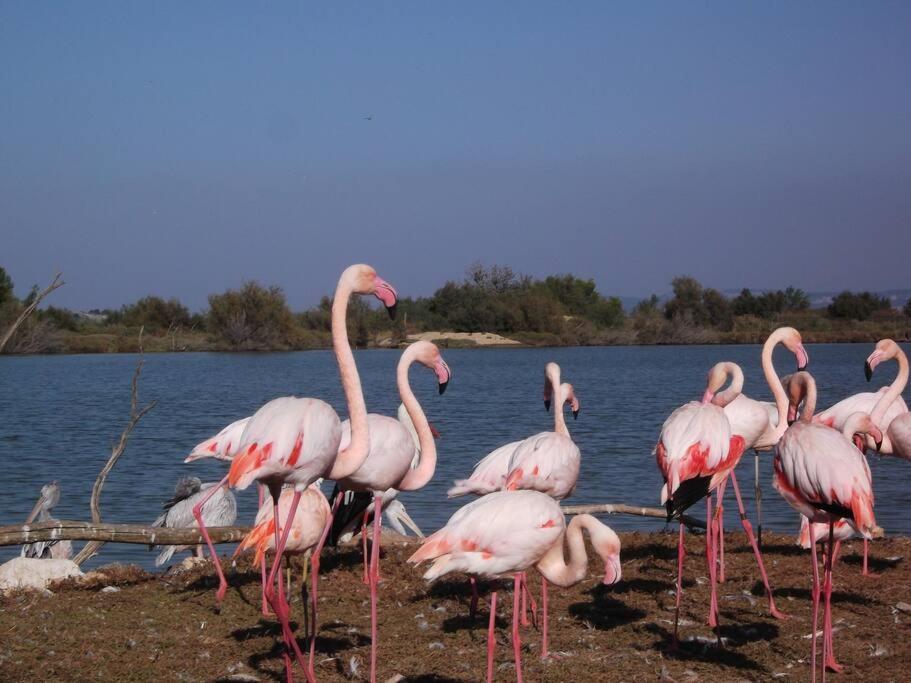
column 390, row 455
column 508, row 532
column 295, row 441
column 823, row 475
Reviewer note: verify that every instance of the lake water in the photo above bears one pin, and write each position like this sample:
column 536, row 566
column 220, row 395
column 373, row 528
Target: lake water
column 60, row 414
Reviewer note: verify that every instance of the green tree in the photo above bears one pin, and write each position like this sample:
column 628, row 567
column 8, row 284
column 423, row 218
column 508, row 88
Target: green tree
column 718, row 310
column 155, row 313
column 252, row 317
column 857, row 306
column 687, row 303
column 796, row 299
column 6, row 287
column 907, row 308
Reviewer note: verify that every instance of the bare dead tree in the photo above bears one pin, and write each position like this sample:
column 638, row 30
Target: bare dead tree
column 136, row 414
column 28, row 310
column 621, row 508
column 69, row 530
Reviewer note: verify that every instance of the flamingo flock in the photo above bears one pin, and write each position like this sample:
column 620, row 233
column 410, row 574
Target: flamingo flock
column 516, row 525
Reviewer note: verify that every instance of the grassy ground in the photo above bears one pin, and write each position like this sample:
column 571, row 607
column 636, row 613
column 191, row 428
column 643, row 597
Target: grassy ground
column 159, row 628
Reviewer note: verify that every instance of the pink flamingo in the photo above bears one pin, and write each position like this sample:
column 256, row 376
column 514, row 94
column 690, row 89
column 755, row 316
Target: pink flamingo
column 890, row 412
column 866, row 401
column 695, row 452
column 487, row 538
column 223, row 447
column 296, row 441
column 388, row 463
column 760, row 423
column 823, row 475
column 748, row 422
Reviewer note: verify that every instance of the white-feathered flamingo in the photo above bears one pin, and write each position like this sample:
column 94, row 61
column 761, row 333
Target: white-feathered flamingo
column 508, row 532
column 866, row 401
column 391, row 451
column 296, row 441
column 890, row 413
column 821, row 473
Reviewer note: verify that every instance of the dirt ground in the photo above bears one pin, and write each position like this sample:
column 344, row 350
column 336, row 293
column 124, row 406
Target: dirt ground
column 159, row 627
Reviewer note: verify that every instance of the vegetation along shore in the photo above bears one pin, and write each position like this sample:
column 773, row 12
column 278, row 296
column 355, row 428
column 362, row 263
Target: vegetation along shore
column 491, row 306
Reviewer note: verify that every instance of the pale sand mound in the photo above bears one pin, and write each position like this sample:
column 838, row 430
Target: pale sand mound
column 479, row 338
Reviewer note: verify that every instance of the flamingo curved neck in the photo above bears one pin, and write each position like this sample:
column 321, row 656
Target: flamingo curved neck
column 809, row 395
column 351, row 458
column 418, row 477
column 774, row 382
column 895, row 389
column 722, row 398
column 554, row 567
column 559, row 397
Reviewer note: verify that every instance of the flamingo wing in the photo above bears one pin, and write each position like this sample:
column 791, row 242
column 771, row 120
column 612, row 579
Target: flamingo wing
column 547, row 462
column 502, row 532
column 221, row 446
column 489, row 473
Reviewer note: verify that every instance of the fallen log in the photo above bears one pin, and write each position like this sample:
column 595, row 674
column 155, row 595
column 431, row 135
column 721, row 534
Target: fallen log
column 623, row 509
column 67, row 530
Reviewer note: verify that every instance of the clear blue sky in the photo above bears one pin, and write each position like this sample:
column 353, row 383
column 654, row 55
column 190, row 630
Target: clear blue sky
column 179, row 148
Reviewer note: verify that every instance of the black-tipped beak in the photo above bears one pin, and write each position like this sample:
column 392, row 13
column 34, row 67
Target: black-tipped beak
column 392, row 309
column 801, row 368
column 547, row 404
column 576, row 414
column 443, row 386
column 790, row 421
column 868, row 371
column 879, row 445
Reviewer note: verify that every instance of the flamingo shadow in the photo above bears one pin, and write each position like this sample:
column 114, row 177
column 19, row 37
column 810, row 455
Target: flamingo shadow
column 603, row 611
column 702, row 651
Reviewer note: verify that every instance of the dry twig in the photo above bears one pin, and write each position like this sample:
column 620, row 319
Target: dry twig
column 57, row 283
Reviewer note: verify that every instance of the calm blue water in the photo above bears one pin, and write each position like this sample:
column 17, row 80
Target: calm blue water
column 60, row 414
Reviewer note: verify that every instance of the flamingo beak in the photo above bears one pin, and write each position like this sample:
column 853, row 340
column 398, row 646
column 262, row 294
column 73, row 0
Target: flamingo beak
column 612, row 571
column 434, row 431
column 870, row 364
column 803, row 358
column 547, row 404
column 859, row 443
column 444, row 375
column 576, row 413
column 387, row 294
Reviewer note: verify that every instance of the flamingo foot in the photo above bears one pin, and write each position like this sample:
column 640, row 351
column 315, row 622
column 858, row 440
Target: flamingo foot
column 777, row 613
column 832, row 665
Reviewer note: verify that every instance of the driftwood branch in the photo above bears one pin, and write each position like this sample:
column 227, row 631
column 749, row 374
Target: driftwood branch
column 621, row 508
column 28, row 310
column 136, row 414
column 66, row 530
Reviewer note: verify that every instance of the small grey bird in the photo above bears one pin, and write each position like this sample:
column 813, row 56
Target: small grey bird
column 220, row 510
column 55, row 550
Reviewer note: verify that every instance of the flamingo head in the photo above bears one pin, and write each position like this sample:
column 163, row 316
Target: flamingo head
column 606, row 544
column 364, row 280
column 428, row 354
column 859, row 424
column 793, row 343
column 569, row 398
column 886, row 349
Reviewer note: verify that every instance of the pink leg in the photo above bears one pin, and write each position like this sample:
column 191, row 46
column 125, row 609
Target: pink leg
column 374, row 580
column 710, row 560
column 530, row 600
column 364, row 548
column 524, row 588
column 262, row 563
column 516, row 643
column 749, row 529
column 473, row 608
column 815, row 607
column 830, row 661
column 491, row 636
column 866, row 571
column 680, row 554
column 314, row 583
column 279, row 605
column 197, row 513
column 719, row 515
column 544, row 608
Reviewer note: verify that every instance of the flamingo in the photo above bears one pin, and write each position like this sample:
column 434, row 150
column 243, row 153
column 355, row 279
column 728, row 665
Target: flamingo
column 823, row 475
column 512, row 460
column 223, row 447
column 296, row 441
column 55, row 550
column 749, row 423
column 890, row 412
column 179, row 511
column 307, row 526
column 487, row 538
column 866, row 401
column 761, row 423
column 391, row 451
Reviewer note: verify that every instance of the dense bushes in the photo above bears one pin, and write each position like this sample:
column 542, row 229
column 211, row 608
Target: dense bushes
column 857, row 306
column 252, row 317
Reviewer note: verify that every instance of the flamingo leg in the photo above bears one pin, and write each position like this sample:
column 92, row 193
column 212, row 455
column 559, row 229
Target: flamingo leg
column 830, row 661
column 680, row 554
column 719, row 516
column 516, row 643
column 491, row 636
column 262, row 562
column 710, row 560
column 528, row 598
column 815, row 605
column 473, row 608
column 749, row 529
column 758, row 496
column 866, row 571
column 524, row 588
column 374, row 580
column 197, row 513
column 364, row 548
column 544, row 608
column 314, row 583
column 279, row 605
